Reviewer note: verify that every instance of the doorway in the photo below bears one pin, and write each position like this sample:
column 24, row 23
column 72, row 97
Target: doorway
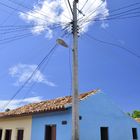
column 50, row 132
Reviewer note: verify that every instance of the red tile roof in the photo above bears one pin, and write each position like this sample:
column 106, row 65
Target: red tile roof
column 58, row 104
column 137, row 119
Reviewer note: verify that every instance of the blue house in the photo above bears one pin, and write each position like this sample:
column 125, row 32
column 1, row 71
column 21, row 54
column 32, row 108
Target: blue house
column 99, row 118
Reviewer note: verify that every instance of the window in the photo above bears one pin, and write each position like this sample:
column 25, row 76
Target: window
column 104, row 133
column 0, row 134
column 134, row 132
column 20, row 134
column 50, row 132
column 8, row 134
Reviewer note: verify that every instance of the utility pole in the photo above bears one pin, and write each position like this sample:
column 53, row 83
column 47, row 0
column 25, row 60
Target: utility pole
column 75, row 100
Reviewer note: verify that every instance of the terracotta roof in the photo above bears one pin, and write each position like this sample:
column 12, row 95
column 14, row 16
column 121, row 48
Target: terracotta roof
column 137, row 119
column 58, row 104
column 1, row 114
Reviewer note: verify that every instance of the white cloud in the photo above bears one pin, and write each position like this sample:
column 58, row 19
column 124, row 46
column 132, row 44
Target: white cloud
column 18, row 102
column 22, row 72
column 53, row 12
column 104, row 25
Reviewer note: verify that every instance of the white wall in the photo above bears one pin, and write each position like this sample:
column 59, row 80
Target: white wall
column 15, row 124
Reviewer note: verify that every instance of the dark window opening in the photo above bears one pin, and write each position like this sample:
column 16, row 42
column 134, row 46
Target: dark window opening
column 8, row 134
column 80, row 117
column 64, row 122
column 134, row 132
column 104, row 133
column 0, row 134
column 20, row 134
column 50, row 132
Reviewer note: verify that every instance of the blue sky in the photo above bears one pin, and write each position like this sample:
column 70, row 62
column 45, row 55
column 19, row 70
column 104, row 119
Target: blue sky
column 109, row 68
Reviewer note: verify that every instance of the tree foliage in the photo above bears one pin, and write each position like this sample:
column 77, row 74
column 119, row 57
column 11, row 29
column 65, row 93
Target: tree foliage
column 135, row 114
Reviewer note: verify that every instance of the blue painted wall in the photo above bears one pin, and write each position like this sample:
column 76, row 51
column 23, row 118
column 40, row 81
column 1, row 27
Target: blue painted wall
column 96, row 111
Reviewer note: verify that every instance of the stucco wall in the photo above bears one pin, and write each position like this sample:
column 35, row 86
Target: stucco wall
column 15, row 124
column 96, row 111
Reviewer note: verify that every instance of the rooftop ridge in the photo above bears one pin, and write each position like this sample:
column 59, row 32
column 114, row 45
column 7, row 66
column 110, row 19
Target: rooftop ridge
column 56, row 104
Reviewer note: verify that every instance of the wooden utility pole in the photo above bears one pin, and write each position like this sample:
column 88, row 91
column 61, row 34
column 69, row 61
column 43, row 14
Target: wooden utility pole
column 75, row 100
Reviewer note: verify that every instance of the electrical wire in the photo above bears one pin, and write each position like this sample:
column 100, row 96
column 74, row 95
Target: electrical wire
column 84, row 5
column 15, row 30
column 30, row 77
column 5, row 41
column 70, row 7
column 42, row 70
column 90, row 14
column 25, row 12
column 69, row 10
column 119, row 15
column 28, row 8
column 113, row 44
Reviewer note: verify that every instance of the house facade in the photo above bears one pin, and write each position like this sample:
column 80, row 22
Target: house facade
column 12, row 128
column 99, row 119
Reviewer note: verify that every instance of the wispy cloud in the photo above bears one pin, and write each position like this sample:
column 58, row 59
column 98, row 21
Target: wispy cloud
column 19, row 102
column 53, row 12
column 104, row 25
column 22, row 72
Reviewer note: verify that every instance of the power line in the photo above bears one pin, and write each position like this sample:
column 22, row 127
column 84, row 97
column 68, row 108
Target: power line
column 23, row 12
column 28, row 8
column 114, row 45
column 119, row 15
column 116, row 15
column 9, row 16
column 70, row 6
column 69, row 10
column 117, row 18
column 124, row 13
column 124, row 7
column 28, row 28
column 90, row 14
column 42, row 69
column 84, row 5
column 30, row 77
column 14, row 39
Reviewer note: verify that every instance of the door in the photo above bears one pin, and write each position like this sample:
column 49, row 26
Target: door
column 50, row 132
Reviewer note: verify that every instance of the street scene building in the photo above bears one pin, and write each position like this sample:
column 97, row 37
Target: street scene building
column 99, row 119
